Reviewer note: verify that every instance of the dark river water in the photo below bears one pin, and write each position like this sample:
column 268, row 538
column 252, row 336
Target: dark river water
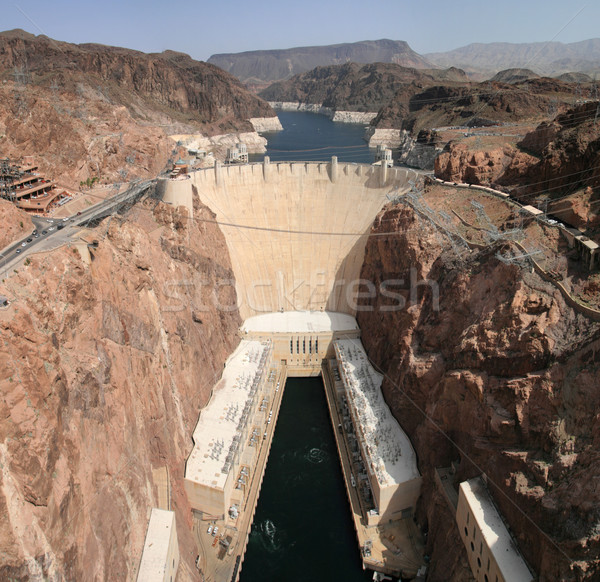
column 312, row 137
column 302, row 529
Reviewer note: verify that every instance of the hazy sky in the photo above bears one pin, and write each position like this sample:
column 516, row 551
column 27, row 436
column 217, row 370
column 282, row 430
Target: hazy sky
column 202, row 28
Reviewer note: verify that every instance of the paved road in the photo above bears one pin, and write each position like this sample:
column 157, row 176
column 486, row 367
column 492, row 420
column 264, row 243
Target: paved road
column 54, row 232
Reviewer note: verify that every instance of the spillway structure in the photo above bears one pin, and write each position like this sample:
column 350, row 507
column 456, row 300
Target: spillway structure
column 296, row 234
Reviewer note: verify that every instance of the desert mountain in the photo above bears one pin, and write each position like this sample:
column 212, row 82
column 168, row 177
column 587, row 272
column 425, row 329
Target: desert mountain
column 411, row 99
column 544, row 58
column 514, row 76
column 274, row 65
column 352, row 87
column 98, row 110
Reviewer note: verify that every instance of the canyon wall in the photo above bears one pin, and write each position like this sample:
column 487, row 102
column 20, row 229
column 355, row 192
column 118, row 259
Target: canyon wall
column 487, row 366
column 107, row 362
column 107, row 112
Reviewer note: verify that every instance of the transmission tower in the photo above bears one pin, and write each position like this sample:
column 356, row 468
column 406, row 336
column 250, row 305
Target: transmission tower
column 511, row 259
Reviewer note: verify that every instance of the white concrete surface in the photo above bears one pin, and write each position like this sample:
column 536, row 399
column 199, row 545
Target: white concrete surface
column 478, row 517
column 160, row 557
column 296, row 233
column 388, row 448
column 300, row 322
column 220, row 421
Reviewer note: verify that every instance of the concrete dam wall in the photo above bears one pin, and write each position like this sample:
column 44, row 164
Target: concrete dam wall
column 296, row 231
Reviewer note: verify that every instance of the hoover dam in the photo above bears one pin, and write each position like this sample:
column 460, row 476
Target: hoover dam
column 296, row 234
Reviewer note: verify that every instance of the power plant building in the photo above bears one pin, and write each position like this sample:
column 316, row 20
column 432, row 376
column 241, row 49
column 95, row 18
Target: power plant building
column 219, row 467
column 492, row 552
column 389, row 476
column 301, row 339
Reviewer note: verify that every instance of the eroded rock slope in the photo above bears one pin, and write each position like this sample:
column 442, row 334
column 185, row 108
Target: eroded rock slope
column 502, row 378
column 105, row 367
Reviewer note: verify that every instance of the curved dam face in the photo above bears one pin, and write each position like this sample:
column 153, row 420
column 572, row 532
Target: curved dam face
column 296, row 231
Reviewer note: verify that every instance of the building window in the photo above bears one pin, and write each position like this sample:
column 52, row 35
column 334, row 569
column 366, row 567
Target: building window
column 291, row 346
column 298, row 345
column 304, row 345
column 485, row 578
column 466, row 531
column 472, row 547
column 479, row 562
column 317, row 346
column 310, row 346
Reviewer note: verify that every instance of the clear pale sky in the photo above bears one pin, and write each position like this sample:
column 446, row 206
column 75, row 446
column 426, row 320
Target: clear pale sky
column 202, row 28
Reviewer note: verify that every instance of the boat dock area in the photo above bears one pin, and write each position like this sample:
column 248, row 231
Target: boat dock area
column 394, row 547
column 222, row 540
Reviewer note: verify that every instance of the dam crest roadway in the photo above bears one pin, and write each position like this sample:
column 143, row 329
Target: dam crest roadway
column 296, row 234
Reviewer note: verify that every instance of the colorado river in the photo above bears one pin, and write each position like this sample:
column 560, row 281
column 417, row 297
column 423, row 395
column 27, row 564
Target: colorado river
column 302, row 529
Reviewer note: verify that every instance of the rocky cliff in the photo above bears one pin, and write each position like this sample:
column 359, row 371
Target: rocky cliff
column 501, row 377
column 473, row 104
column 556, row 165
column 274, row 65
column 93, row 110
column 106, row 364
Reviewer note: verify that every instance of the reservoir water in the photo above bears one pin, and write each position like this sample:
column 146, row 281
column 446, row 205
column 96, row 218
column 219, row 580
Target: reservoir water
column 302, row 529
column 313, row 137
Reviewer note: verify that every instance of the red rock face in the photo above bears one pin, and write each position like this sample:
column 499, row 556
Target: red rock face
column 105, row 368
column 15, row 223
column 502, row 378
column 504, row 164
column 559, row 161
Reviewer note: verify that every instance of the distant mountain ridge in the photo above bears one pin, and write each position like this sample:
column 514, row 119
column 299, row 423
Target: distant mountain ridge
column 276, row 65
column 354, row 87
column 544, row 58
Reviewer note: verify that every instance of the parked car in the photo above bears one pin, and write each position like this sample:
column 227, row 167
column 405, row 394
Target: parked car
column 29, row 239
column 44, row 232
